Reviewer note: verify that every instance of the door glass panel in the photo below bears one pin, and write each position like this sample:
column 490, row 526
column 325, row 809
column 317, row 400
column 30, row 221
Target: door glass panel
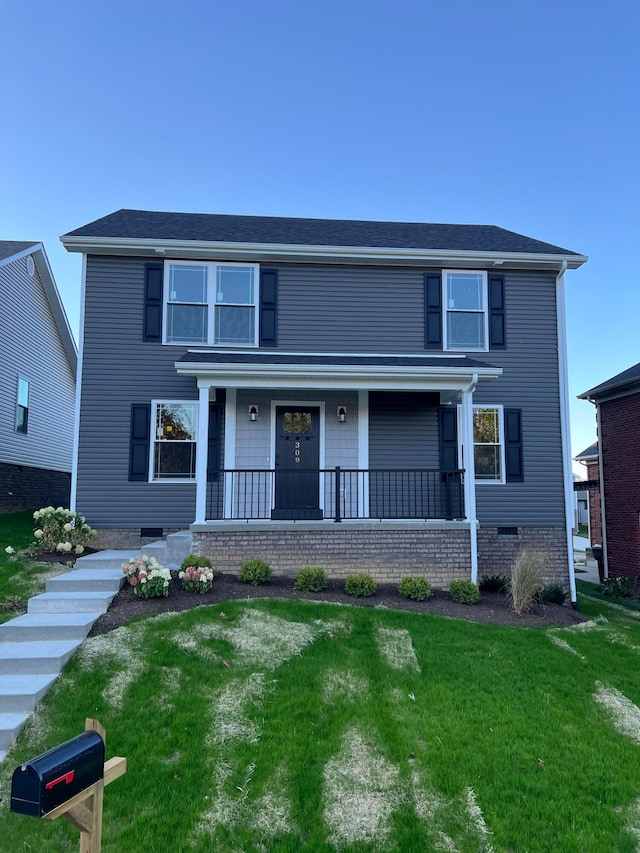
column 297, row 423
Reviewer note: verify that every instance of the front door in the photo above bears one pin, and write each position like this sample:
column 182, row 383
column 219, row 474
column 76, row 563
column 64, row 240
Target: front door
column 297, row 487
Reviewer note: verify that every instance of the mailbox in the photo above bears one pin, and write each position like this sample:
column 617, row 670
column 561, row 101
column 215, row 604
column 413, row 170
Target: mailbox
column 44, row 783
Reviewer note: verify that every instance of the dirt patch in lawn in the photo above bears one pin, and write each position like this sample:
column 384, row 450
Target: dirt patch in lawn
column 491, row 609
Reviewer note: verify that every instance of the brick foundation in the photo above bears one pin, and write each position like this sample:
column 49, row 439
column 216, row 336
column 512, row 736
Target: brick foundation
column 496, row 554
column 125, row 537
column 23, row 487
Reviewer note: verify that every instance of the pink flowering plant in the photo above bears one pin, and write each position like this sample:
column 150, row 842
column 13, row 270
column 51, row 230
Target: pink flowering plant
column 196, row 579
column 147, row 577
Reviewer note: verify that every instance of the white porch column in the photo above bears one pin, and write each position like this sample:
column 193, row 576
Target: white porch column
column 363, row 452
column 229, row 449
column 201, row 456
column 466, row 437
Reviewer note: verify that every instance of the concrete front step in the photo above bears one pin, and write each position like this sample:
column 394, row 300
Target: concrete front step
column 36, row 657
column 105, row 560
column 19, row 694
column 10, row 726
column 71, row 602
column 170, row 552
column 48, row 626
column 87, row 580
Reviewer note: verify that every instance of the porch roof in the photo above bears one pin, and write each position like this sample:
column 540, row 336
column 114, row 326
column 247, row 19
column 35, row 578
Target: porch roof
column 335, row 370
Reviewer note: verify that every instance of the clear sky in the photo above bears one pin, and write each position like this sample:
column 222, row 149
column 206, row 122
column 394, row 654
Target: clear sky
column 523, row 115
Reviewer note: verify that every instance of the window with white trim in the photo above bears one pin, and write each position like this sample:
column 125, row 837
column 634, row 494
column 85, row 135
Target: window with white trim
column 466, row 315
column 211, row 303
column 488, row 444
column 22, row 406
column 174, row 436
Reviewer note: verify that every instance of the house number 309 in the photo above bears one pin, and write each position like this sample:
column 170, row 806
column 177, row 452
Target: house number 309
column 297, row 452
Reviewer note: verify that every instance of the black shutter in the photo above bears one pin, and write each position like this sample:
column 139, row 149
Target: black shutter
column 448, row 421
column 268, row 308
column 497, row 326
column 139, row 444
column 513, row 445
column 213, row 442
column 432, row 311
column 154, row 275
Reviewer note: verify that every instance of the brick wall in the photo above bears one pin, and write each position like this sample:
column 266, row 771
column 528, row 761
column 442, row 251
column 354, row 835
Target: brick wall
column 620, row 443
column 497, row 553
column 595, row 511
column 125, row 537
column 23, row 487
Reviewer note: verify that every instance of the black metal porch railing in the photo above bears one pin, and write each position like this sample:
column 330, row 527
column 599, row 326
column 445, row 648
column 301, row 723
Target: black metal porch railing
column 335, row 493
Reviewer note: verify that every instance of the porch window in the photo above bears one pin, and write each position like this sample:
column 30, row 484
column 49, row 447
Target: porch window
column 174, row 440
column 214, row 304
column 488, row 444
column 465, row 298
column 22, row 406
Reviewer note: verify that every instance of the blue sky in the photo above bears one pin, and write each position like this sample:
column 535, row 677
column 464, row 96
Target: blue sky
column 521, row 115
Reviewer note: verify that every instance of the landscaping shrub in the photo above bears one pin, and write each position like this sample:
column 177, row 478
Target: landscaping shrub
column 255, row 572
column 493, row 583
column 196, row 579
column 61, row 530
column 195, row 562
column 416, row 588
column 527, row 579
column 311, row 579
column 360, row 586
column 147, row 577
column 616, row 587
column 464, row 592
column 553, row 594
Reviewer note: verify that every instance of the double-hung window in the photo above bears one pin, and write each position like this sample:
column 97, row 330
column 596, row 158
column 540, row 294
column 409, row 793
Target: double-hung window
column 211, row 303
column 173, row 445
column 488, row 443
column 465, row 300
column 22, row 406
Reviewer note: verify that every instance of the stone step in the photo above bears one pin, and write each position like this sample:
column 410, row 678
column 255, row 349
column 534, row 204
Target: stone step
column 19, row 694
column 10, row 726
column 81, row 580
column 170, row 552
column 48, row 626
column 36, row 657
column 71, row 602
column 105, row 559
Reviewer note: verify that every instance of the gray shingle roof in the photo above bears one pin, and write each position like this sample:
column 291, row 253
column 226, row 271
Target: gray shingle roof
column 319, row 360
column 588, row 453
column 12, row 247
column 627, row 378
column 213, row 227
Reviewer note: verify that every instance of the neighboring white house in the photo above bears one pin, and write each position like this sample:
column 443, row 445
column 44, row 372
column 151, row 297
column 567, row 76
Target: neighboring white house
column 37, row 382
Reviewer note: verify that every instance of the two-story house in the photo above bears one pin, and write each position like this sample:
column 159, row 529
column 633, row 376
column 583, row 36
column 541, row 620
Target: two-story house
column 37, row 382
column 377, row 396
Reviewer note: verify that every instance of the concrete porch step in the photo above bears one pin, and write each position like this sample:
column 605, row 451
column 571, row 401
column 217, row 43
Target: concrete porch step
column 71, row 602
column 87, row 580
column 19, row 694
column 36, row 657
column 111, row 559
column 48, row 626
column 170, row 552
column 10, row 726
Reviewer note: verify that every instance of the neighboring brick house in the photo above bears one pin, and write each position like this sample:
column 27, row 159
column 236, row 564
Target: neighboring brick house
column 37, row 382
column 589, row 458
column 377, row 396
column 617, row 403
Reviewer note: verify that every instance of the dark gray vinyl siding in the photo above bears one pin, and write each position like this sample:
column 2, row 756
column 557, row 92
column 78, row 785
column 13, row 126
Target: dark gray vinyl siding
column 120, row 369
column 403, row 430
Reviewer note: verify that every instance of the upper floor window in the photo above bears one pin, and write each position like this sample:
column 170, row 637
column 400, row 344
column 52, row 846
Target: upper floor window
column 22, row 406
column 211, row 303
column 465, row 300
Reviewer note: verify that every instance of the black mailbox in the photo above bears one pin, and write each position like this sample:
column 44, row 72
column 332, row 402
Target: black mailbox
column 42, row 784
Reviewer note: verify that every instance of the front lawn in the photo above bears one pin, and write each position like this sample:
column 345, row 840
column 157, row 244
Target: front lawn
column 282, row 726
column 20, row 577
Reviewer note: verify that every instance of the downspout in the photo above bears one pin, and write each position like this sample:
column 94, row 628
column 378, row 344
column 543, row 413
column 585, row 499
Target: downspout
column 603, row 515
column 563, row 368
column 470, row 474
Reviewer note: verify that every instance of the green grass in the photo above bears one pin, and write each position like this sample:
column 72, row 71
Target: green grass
column 583, row 530
column 504, row 715
column 20, row 576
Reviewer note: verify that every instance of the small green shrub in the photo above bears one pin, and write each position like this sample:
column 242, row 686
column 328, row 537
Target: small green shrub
column 196, row 562
column 493, row 583
column 416, row 588
column 360, row 586
column 255, row 572
column 311, row 579
column 553, row 594
column 616, row 587
column 527, row 579
column 464, row 592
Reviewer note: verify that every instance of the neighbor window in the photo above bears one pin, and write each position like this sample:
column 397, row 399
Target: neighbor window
column 211, row 303
column 465, row 299
column 174, row 440
column 488, row 450
column 22, row 406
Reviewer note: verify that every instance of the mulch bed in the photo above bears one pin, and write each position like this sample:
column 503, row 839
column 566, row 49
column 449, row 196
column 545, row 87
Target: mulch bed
column 491, row 609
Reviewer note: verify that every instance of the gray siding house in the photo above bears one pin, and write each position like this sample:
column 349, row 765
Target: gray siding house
column 378, row 396
column 37, row 382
